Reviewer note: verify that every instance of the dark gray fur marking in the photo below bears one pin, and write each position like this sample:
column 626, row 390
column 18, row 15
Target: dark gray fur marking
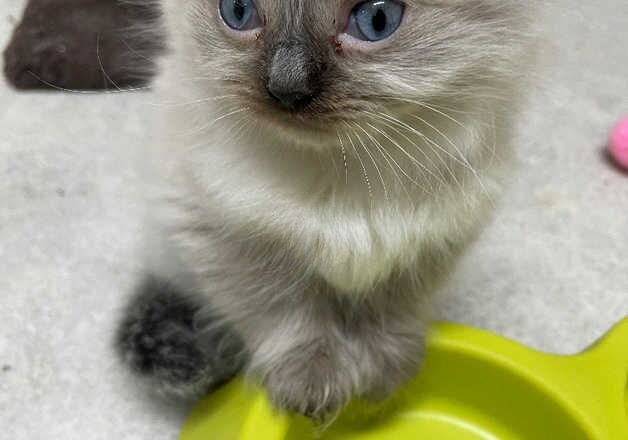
column 160, row 338
column 294, row 74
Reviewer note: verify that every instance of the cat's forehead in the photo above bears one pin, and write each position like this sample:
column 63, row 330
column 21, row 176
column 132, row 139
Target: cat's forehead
column 318, row 18
column 299, row 12
column 299, row 6
column 313, row 20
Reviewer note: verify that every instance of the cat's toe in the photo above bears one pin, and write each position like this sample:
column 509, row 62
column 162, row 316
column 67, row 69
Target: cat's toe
column 312, row 387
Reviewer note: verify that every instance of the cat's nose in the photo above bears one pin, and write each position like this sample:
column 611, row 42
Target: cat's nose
column 291, row 100
column 293, row 75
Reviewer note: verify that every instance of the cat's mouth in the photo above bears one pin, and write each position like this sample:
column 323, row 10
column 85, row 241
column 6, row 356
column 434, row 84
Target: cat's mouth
column 316, row 124
column 308, row 128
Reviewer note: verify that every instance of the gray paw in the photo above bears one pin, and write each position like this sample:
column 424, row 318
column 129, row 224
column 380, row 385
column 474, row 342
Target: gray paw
column 310, row 383
column 159, row 339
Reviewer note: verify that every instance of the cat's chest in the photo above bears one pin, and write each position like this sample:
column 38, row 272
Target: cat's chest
column 350, row 248
column 354, row 253
column 338, row 226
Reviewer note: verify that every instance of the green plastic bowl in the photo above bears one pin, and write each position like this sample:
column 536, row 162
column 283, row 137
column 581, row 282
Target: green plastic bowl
column 474, row 385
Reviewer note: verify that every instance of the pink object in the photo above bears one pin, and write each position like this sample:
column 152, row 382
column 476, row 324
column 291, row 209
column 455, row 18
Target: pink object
column 618, row 143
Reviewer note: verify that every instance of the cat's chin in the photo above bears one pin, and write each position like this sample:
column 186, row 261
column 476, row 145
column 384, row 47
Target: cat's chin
column 299, row 130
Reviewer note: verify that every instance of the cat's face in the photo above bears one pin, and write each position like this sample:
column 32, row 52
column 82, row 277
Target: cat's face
column 312, row 66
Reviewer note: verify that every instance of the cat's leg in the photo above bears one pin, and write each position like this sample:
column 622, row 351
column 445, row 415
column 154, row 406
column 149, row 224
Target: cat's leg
column 297, row 359
column 324, row 347
column 383, row 341
column 160, row 338
column 310, row 345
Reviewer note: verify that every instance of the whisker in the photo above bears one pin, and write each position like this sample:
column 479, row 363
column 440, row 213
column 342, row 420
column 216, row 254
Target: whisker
column 136, row 52
column 365, row 174
column 460, row 153
column 405, row 152
column 385, row 153
column 432, row 108
column 102, row 68
column 407, row 100
column 381, row 177
column 211, row 123
column 344, row 158
column 444, row 163
column 451, row 118
column 196, row 101
column 442, row 178
column 84, row 92
column 424, row 136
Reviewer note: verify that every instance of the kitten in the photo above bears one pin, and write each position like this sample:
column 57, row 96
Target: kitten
column 326, row 163
column 83, row 44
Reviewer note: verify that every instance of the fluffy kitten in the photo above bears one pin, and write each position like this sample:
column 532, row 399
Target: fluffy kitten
column 83, row 44
column 326, row 163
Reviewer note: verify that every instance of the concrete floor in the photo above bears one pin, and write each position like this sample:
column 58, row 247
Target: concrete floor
column 551, row 271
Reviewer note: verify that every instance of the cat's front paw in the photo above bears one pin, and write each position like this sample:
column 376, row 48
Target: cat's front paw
column 312, row 385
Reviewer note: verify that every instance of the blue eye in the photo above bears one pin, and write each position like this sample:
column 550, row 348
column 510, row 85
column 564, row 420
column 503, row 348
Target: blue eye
column 375, row 20
column 240, row 15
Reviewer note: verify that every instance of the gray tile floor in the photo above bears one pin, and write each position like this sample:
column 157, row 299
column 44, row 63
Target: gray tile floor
column 551, row 271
